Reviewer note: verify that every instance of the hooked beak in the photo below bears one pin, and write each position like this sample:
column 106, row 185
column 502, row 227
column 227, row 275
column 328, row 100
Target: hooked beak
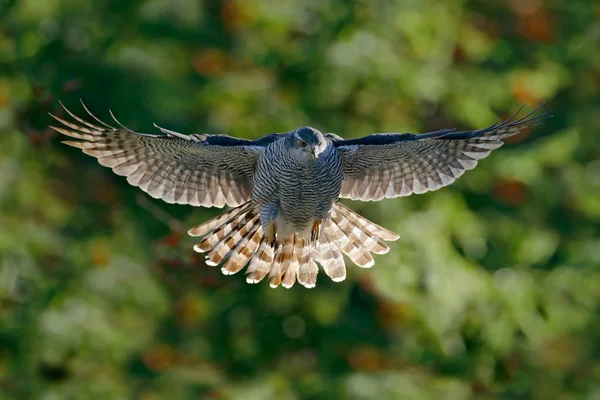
column 313, row 152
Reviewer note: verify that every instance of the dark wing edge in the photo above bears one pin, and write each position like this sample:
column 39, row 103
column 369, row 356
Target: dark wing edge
column 391, row 165
column 199, row 170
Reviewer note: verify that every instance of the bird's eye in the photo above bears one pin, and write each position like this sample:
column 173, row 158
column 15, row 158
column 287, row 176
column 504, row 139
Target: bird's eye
column 302, row 143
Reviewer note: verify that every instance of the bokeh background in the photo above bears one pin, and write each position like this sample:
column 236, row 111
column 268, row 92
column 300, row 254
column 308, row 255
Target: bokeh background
column 493, row 290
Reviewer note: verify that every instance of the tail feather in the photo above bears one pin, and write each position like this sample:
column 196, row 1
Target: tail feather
column 369, row 241
column 216, row 236
column 288, row 254
column 236, row 239
column 290, row 273
column 358, row 254
column 356, row 236
column 331, row 259
column 366, row 225
column 276, row 267
column 308, row 269
column 260, row 265
column 243, row 251
column 227, row 244
column 218, row 221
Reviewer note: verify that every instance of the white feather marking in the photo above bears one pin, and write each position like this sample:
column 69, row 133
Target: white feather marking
column 476, row 155
column 418, row 188
column 431, row 184
column 467, row 164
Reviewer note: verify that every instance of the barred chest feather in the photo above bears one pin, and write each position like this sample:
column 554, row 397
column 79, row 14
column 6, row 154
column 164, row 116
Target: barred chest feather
column 301, row 189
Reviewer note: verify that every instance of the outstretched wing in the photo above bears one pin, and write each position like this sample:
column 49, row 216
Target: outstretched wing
column 200, row 170
column 390, row 165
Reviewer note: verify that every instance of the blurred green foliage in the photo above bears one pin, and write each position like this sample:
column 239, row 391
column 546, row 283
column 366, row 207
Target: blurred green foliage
column 492, row 291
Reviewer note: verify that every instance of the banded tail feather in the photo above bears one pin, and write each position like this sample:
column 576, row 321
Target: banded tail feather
column 235, row 239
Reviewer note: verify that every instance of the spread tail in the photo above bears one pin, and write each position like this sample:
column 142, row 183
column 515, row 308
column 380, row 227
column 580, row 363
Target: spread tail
column 236, row 239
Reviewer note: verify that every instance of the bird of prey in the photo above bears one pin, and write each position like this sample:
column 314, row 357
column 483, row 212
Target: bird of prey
column 284, row 187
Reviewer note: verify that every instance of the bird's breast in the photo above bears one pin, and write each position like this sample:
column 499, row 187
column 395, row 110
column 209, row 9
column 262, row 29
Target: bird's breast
column 308, row 189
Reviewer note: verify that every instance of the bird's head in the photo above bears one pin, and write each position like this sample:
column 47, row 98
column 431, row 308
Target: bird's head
column 308, row 141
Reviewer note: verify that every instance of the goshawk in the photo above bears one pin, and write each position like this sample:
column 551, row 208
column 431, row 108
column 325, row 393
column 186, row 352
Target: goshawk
column 284, row 188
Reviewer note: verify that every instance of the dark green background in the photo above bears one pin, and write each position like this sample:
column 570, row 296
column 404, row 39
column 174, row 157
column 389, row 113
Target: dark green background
column 493, row 290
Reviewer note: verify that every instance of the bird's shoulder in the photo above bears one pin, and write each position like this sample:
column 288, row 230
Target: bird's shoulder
column 270, row 138
column 227, row 140
column 332, row 137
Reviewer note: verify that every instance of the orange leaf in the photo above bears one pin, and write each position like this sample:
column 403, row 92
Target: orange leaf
column 211, row 62
column 510, row 192
column 537, row 27
column 159, row 358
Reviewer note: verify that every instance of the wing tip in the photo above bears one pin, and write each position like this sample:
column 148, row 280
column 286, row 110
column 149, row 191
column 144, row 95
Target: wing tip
column 528, row 120
column 169, row 132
